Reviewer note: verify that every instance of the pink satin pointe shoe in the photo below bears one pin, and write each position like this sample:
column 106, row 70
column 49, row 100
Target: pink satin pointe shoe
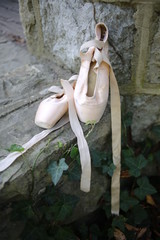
column 92, row 87
column 53, row 108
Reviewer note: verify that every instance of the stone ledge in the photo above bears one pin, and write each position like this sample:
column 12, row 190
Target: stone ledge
column 17, row 126
column 131, row 89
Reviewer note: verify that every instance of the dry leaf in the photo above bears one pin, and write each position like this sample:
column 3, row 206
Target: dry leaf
column 131, row 228
column 141, row 232
column 125, row 174
column 157, row 233
column 150, row 200
column 119, row 235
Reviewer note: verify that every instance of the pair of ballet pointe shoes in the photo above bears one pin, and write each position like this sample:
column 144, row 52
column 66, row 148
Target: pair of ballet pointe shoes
column 91, row 87
column 87, row 97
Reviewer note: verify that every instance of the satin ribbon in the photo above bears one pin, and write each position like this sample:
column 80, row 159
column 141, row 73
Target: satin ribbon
column 81, row 141
column 7, row 161
column 99, row 57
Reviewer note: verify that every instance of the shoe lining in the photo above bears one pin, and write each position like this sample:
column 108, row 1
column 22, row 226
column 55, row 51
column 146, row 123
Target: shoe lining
column 92, row 76
column 103, row 32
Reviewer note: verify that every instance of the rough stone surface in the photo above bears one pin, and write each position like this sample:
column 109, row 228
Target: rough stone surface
column 56, row 30
column 21, row 93
column 68, row 25
column 23, row 84
column 153, row 69
column 144, row 114
column 9, row 51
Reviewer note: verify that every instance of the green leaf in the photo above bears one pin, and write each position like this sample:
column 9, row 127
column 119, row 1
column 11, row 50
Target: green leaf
column 145, row 188
column 65, row 233
column 109, row 169
column 22, row 210
column 56, row 170
column 126, row 153
column 135, row 165
column 127, row 202
column 15, row 148
column 59, row 211
column 33, row 232
column 93, row 122
column 61, row 208
column 150, row 158
column 60, row 144
column 119, row 222
column 63, row 211
column 128, row 119
column 107, row 209
column 139, row 214
column 75, row 173
column 74, row 152
column 70, row 199
column 97, row 157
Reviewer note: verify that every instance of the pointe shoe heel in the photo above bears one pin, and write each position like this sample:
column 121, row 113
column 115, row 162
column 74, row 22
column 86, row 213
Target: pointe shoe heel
column 51, row 110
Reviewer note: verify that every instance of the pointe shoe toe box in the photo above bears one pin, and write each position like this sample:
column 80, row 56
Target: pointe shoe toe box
column 50, row 111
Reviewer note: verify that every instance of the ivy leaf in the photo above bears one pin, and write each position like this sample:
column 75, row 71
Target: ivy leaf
column 145, row 188
column 119, row 222
column 31, row 231
column 22, row 211
column 126, row 153
column 75, row 173
column 139, row 214
column 15, row 148
column 97, row 157
column 61, row 208
column 74, row 152
column 64, row 207
column 136, row 164
column 107, row 209
column 56, row 170
column 109, row 169
column 128, row 119
column 60, row 144
column 62, row 211
column 70, row 199
column 127, row 202
column 65, row 233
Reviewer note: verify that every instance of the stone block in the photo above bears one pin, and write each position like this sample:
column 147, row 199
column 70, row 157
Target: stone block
column 153, row 66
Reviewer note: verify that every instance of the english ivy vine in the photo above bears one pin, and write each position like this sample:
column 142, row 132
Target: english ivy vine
column 139, row 200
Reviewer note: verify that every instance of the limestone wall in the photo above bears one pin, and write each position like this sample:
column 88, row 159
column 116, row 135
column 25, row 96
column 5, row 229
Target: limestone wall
column 56, row 30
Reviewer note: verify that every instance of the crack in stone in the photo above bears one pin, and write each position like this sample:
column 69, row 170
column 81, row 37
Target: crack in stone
column 114, row 48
